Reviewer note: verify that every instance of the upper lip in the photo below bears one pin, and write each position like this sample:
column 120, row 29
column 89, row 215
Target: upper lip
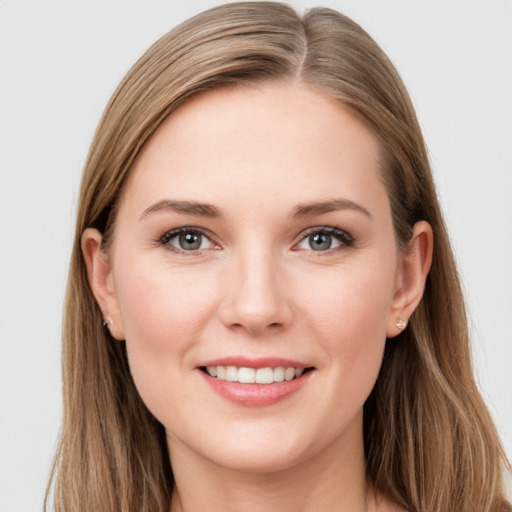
column 258, row 362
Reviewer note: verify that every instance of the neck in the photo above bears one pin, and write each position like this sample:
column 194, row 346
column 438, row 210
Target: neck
column 330, row 480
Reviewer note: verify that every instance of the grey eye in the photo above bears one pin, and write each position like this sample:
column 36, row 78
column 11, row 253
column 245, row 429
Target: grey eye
column 189, row 240
column 325, row 239
column 320, row 241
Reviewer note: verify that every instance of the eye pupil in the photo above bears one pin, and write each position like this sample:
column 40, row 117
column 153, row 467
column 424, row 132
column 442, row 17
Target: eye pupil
column 190, row 241
column 320, row 241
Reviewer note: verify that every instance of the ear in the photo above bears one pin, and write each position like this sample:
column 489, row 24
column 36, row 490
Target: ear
column 101, row 280
column 413, row 268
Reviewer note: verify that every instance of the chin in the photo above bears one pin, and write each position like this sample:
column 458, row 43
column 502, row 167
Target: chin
column 270, row 447
column 261, row 461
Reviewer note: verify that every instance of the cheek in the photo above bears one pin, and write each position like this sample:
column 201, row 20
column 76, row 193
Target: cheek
column 352, row 302
column 163, row 315
column 161, row 308
column 350, row 314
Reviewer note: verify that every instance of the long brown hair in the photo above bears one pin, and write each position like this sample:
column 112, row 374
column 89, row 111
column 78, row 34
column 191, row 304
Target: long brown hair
column 430, row 443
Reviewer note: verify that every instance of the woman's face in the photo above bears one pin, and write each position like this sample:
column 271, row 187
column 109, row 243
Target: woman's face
column 254, row 241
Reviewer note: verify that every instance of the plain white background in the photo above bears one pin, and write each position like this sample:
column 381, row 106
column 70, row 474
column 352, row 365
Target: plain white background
column 59, row 63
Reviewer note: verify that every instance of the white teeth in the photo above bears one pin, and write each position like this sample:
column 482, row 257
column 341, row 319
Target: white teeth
column 264, row 376
column 246, row 375
column 231, row 373
column 278, row 374
column 212, row 370
column 289, row 373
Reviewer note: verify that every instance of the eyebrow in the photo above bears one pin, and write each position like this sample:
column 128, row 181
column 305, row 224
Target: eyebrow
column 210, row 211
column 305, row 210
column 186, row 207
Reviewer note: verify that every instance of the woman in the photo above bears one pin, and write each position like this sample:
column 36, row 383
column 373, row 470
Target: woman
column 263, row 310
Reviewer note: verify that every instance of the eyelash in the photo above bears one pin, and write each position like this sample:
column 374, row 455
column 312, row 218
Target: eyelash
column 169, row 235
column 346, row 240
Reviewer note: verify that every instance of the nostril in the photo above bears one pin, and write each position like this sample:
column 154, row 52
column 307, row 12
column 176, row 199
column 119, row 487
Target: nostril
column 255, row 329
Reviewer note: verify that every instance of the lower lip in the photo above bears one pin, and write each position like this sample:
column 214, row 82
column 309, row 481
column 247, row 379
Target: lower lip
column 256, row 395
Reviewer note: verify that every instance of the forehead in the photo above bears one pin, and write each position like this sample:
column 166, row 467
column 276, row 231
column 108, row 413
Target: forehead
column 278, row 140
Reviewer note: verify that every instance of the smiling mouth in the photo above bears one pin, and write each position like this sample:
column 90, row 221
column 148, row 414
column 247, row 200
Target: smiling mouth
column 245, row 375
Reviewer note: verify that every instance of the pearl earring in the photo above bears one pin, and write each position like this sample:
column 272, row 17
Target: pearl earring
column 401, row 324
column 108, row 322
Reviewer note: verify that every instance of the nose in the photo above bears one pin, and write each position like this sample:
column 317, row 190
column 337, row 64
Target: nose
column 255, row 297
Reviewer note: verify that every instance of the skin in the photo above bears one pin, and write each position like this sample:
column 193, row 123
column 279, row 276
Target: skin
column 257, row 288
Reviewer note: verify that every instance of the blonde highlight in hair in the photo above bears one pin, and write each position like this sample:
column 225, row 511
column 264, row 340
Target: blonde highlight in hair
column 430, row 443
